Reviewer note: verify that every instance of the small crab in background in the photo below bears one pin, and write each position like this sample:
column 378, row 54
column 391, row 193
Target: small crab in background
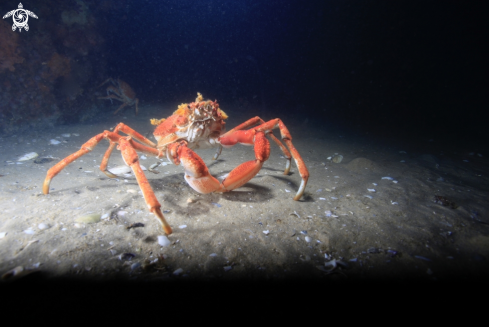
column 122, row 92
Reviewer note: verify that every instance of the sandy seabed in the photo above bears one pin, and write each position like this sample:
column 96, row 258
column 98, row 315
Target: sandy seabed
column 351, row 224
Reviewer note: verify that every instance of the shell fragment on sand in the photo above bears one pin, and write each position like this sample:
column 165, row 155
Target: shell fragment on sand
column 13, row 272
column 42, row 226
column 28, row 156
column 89, row 219
column 54, row 142
column 337, row 158
column 163, row 240
column 119, row 170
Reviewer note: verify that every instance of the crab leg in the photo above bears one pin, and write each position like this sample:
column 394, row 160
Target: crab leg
column 105, row 160
column 257, row 120
column 85, row 148
column 113, row 138
column 122, row 106
column 233, row 136
column 197, row 174
column 139, row 147
column 121, row 127
column 132, row 160
column 247, row 170
column 107, row 80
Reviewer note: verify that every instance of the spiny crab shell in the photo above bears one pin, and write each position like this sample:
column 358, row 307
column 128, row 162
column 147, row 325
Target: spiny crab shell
column 200, row 123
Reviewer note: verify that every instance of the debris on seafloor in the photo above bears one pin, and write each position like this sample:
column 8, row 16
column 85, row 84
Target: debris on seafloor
column 178, row 271
column 295, row 213
column 26, row 246
column 337, row 158
column 119, row 170
column 332, row 265
column 89, row 219
column 28, row 156
column 422, row 258
column 126, row 256
column 438, row 199
column 134, row 225
column 163, row 240
column 13, row 272
column 43, row 226
column 44, row 160
column 374, row 250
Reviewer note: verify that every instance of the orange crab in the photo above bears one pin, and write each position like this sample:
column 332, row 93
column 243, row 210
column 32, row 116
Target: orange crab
column 122, row 92
column 199, row 124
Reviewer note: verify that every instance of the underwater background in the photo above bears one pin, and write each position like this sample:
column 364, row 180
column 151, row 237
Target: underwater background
column 382, row 67
column 385, row 101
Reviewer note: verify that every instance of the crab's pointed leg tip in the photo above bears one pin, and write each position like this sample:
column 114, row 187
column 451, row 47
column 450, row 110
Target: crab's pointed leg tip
column 167, row 230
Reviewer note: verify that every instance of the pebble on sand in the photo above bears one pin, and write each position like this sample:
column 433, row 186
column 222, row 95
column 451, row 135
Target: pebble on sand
column 43, row 226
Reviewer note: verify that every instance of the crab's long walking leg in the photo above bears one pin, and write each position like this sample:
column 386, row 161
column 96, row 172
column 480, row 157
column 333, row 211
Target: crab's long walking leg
column 121, row 127
column 247, row 170
column 110, row 97
column 122, row 106
column 197, row 174
column 107, row 80
column 257, row 120
column 136, row 103
column 85, row 148
column 132, row 160
column 105, row 161
column 218, row 152
column 287, row 138
column 137, row 146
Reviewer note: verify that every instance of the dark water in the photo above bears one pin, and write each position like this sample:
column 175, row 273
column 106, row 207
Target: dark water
column 392, row 69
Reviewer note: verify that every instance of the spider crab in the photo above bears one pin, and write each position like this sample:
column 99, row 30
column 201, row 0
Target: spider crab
column 122, row 92
column 199, row 124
